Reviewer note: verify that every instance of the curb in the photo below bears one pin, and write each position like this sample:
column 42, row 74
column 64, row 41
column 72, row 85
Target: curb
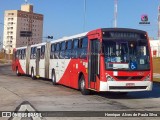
column 156, row 81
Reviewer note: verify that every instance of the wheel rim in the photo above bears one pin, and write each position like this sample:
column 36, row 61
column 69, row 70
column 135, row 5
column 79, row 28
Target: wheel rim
column 82, row 84
column 53, row 80
column 32, row 74
column 17, row 72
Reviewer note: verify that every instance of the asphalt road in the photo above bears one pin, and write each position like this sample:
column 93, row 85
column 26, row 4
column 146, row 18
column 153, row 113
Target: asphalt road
column 43, row 96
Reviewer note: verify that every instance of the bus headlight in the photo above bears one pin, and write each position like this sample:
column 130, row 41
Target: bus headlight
column 109, row 78
column 147, row 78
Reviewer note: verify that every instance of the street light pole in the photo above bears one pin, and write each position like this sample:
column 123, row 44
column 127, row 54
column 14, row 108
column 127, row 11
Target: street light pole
column 3, row 46
column 8, row 42
column 84, row 24
column 115, row 12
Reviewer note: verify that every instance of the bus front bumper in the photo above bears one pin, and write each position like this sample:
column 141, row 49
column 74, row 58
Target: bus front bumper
column 125, row 86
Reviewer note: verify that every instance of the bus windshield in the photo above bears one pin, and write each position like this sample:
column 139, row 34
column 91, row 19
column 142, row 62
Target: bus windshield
column 126, row 54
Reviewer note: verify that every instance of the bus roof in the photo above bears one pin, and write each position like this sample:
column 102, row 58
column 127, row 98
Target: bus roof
column 124, row 29
column 39, row 44
column 70, row 37
column 21, row 47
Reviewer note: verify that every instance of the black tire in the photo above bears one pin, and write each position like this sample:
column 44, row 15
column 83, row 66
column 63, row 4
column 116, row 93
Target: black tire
column 53, row 78
column 32, row 74
column 17, row 72
column 82, row 86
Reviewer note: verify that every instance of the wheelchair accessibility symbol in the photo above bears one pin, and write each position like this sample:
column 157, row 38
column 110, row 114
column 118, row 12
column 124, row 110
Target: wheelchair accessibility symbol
column 133, row 65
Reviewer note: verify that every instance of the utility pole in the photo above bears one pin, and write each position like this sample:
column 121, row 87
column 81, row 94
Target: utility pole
column 115, row 12
column 84, row 24
column 159, row 22
column 26, row 1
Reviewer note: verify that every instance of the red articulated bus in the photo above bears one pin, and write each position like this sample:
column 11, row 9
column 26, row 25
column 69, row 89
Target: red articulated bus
column 107, row 59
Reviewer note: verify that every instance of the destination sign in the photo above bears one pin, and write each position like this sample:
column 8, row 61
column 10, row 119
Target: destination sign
column 121, row 35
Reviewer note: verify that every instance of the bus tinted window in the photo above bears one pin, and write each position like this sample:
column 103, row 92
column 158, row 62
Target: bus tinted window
column 69, row 44
column 20, row 54
column 52, row 51
column 63, row 46
column 33, row 53
column 23, row 53
column 17, row 54
column 84, row 42
column 75, row 43
column 52, row 48
column 56, row 54
column 42, row 52
column 68, row 49
column 57, row 46
column 83, row 48
column 62, row 52
column 75, row 50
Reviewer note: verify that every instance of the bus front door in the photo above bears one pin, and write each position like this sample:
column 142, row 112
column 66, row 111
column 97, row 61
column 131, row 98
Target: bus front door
column 93, row 63
column 37, row 61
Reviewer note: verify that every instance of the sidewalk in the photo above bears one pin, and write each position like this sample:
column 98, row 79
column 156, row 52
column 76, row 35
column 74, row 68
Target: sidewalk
column 8, row 62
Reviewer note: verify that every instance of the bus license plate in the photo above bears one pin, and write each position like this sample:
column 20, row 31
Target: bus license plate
column 130, row 84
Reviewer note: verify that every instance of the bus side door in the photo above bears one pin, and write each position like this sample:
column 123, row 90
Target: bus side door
column 37, row 60
column 93, row 69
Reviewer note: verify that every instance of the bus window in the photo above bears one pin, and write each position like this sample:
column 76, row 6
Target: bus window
column 23, row 54
column 63, row 48
column 20, row 54
column 68, row 49
column 57, row 51
column 52, row 51
column 17, row 54
column 75, row 48
column 69, row 44
column 75, row 43
column 33, row 53
column 42, row 52
column 83, row 48
column 63, row 45
column 84, row 42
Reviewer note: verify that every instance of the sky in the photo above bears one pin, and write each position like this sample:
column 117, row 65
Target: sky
column 66, row 17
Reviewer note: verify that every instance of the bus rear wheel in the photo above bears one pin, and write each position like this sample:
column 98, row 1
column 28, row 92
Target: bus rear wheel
column 53, row 78
column 17, row 72
column 82, row 86
column 32, row 75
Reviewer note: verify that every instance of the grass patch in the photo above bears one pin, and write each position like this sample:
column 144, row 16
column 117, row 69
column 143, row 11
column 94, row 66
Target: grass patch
column 156, row 79
column 2, row 61
column 156, row 65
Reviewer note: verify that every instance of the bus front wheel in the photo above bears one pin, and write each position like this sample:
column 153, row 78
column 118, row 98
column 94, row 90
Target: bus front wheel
column 53, row 78
column 82, row 86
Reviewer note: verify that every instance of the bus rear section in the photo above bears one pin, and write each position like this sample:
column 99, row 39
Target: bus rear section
column 39, row 60
column 20, row 62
